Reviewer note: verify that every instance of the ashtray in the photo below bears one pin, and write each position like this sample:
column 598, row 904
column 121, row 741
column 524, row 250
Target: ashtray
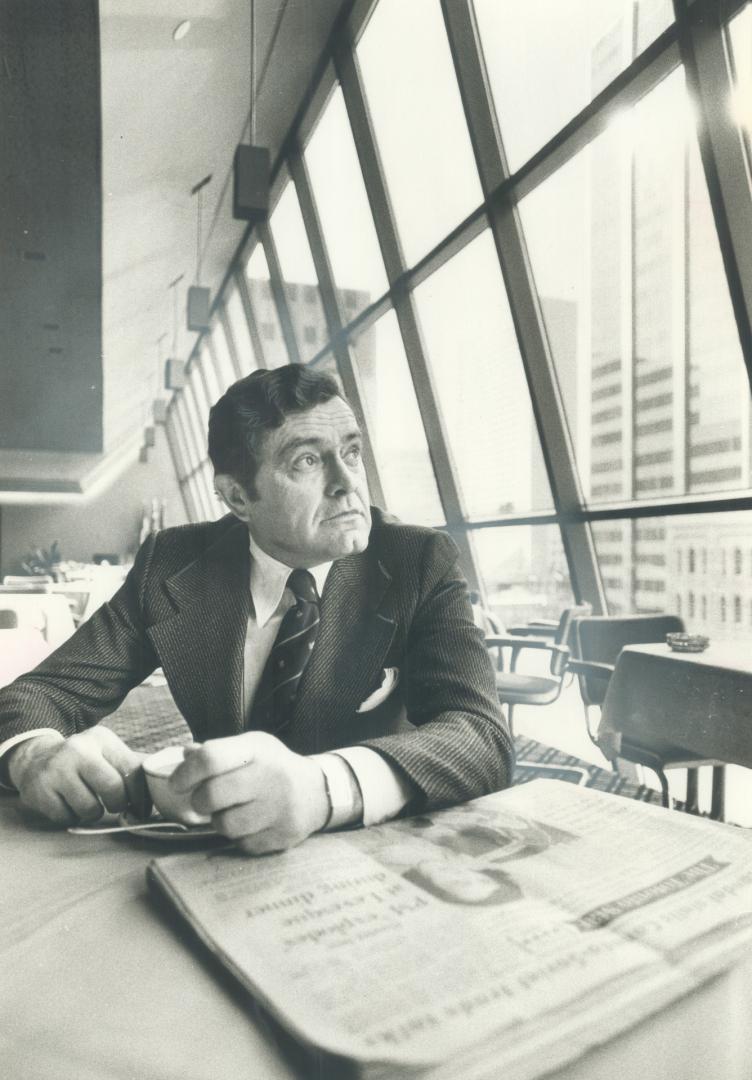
column 687, row 642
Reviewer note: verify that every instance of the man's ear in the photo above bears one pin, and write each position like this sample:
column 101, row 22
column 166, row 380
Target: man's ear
column 233, row 495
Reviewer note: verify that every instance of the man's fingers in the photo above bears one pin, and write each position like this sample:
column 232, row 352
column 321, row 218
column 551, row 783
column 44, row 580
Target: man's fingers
column 214, row 757
column 50, row 804
column 265, row 842
column 242, row 820
column 105, row 781
column 119, row 755
column 82, row 801
column 220, row 792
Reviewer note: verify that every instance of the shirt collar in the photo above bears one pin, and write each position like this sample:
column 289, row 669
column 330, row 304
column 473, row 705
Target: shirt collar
column 269, row 578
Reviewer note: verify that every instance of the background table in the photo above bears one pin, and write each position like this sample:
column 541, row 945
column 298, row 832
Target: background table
column 700, row 702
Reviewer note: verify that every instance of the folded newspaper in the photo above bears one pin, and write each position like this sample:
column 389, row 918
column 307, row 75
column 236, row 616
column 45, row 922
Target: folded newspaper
column 502, row 937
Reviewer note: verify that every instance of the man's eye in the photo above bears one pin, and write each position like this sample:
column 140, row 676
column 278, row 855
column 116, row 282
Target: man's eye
column 352, row 454
column 306, row 461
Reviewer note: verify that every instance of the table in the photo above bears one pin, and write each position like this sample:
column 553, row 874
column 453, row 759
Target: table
column 698, row 702
column 41, row 611
column 99, row 985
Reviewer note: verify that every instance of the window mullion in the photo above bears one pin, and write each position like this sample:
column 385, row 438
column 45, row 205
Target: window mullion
column 348, row 373
column 724, row 160
column 278, row 290
column 555, row 441
column 391, row 250
column 245, row 299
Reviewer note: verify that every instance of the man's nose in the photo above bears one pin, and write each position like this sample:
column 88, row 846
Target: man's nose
column 341, row 480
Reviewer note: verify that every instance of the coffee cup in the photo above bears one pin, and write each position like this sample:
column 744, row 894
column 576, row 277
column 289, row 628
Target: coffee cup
column 172, row 805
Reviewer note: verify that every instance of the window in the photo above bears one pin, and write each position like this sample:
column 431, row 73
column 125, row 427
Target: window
column 222, row 359
column 420, row 127
column 396, row 429
column 558, row 56
column 187, row 438
column 636, row 308
column 309, row 335
column 193, row 426
column 196, row 386
column 297, row 267
column 524, row 572
column 342, row 204
column 210, row 375
column 641, row 583
column 741, row 103
column 240, row 333
column 483, row 395
column 265, row 308
column 177, row 445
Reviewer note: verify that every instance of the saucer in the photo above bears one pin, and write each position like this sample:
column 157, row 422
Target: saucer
column 194, row 834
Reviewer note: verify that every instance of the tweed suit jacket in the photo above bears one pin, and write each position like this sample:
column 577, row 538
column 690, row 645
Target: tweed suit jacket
column 402, row 603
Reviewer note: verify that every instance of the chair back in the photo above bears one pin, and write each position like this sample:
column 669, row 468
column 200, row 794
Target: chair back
column 570, row 617
column 602, row 637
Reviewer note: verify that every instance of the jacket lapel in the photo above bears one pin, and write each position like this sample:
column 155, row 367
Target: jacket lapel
column 201, row 645
column 354, row 637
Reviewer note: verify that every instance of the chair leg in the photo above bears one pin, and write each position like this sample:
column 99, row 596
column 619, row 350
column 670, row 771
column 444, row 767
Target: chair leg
column 718, row 798
column 509, row 719
column 692, row 804
column 665, row 796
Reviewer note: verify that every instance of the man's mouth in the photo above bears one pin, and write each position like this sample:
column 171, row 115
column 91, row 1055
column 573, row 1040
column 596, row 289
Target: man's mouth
column 344, row 515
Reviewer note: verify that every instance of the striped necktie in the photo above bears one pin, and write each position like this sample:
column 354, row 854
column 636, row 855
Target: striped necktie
column 275, row 695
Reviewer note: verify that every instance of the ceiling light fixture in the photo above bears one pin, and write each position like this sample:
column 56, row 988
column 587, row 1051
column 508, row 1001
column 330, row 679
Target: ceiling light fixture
column 251, row 167
column 198, row 297
column 181, row 30
column 174, row 368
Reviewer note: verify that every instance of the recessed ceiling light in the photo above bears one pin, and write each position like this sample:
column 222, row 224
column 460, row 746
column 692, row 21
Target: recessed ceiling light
column 181, row 30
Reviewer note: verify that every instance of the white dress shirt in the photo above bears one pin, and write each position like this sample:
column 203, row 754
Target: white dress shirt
column 384, row 792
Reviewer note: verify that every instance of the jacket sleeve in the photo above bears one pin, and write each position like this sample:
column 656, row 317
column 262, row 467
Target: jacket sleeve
column 461, row 747
column 90, row 674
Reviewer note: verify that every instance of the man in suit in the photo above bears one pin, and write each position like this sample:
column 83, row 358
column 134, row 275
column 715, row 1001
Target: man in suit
column 302, row 623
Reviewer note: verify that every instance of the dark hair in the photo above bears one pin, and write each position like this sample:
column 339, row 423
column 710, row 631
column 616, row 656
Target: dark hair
column 255, row 405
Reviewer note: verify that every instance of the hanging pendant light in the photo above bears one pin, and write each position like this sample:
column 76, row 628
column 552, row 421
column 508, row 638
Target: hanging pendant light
column 198, row 297
column 252, row 164
column 174, row 368
column 159, row 404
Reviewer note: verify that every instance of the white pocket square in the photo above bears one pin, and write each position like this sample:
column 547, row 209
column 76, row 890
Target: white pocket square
column 389, row 680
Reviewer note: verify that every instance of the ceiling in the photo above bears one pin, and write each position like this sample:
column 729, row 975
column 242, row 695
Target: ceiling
column 110, row 124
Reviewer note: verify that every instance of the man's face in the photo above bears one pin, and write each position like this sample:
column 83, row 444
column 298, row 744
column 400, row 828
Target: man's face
column 311, row 502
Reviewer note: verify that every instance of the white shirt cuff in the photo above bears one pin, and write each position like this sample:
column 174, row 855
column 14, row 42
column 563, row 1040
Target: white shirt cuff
column 385, row 791
column 8, row 744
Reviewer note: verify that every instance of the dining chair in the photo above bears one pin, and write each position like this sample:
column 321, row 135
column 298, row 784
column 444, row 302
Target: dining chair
column 519, row 688
column 596, row 643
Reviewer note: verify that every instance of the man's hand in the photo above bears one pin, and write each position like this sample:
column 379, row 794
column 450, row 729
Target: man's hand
column 77, row 779
column 258, row 792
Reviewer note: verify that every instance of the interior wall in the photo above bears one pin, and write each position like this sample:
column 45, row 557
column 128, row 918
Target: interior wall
column 110, row 523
